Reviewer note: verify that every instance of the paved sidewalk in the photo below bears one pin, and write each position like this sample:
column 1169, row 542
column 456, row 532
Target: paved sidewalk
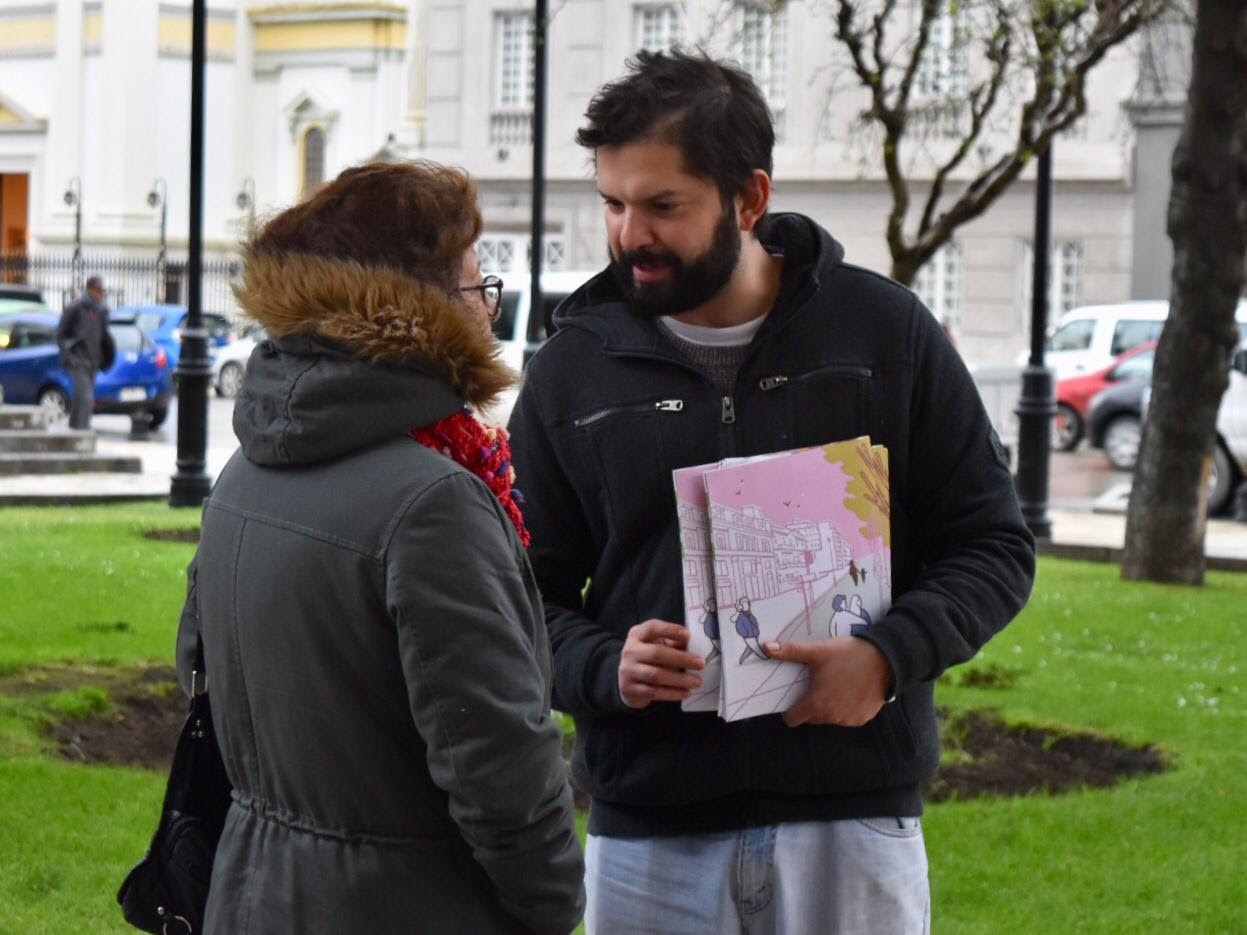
column 1093, row 535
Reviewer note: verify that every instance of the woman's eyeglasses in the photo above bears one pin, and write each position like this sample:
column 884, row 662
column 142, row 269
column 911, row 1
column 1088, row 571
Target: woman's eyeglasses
column 490, row 289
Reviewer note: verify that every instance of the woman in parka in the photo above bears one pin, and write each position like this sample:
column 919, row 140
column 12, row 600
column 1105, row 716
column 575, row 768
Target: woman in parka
column 373, row 638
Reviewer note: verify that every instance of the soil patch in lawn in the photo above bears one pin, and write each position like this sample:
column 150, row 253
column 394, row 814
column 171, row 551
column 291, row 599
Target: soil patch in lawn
column 172, row 535
column 983, row 755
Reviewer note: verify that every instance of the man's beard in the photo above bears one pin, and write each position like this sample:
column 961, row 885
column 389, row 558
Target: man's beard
column 690, row 284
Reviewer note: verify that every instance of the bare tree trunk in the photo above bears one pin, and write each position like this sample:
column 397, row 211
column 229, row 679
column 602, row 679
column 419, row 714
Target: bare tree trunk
column 1208, row 225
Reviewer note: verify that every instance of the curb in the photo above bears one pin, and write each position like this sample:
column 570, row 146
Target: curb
column 1113, row 554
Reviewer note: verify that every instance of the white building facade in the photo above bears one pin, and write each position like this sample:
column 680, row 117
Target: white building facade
column 98, row 91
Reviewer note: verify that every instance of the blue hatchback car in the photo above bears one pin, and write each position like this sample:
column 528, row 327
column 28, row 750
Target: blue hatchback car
column 164, row 323
column 139, row 381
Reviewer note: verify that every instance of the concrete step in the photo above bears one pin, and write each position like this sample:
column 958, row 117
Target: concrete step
column 22, row 417
column 14, row 441
column 67, row 463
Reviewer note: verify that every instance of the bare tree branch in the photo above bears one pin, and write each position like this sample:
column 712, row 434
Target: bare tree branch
column 1061, row 42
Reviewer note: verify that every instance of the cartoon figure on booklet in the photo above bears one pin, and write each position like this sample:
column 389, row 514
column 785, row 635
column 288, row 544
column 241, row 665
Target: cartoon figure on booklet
column 848, row 618
column 710, row 624
column 747, row 627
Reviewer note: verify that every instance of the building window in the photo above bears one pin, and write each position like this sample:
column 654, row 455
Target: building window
column 943, row 68
column 659, row 27
column 1065, row 266
column 313, row 160
column 762, row 48
column 509, row 253
column 938, row 285
column 939, row 90
column 515, row 58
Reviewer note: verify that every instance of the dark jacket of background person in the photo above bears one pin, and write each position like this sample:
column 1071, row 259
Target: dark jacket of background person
column 83, row 338
column 596, row 433
column 377, row 661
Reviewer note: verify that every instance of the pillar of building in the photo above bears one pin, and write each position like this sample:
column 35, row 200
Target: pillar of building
column 1156, row 110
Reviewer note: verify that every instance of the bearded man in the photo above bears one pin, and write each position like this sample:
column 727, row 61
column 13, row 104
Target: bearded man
column 720, row 331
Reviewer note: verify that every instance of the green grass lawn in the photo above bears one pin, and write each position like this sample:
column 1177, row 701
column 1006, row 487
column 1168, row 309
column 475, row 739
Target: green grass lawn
column 1144, row 663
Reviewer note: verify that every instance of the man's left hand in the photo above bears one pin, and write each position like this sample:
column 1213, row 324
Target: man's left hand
column 849, row 679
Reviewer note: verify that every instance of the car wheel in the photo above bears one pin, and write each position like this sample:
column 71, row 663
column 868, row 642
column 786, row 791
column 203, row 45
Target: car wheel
column 229, row 381
column 156, row 418
column 1220, row 481
column 55, row 404
column 1066, row 428
column 1121, row 442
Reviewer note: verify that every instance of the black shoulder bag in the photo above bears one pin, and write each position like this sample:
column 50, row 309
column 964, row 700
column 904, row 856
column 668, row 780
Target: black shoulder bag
column 167, row 891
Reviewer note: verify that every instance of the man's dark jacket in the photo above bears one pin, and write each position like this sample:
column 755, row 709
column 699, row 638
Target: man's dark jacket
column 83, row 338
column 609, row 409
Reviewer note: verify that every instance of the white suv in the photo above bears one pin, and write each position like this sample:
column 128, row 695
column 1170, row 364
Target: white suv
column 1229, row 457
column 1088, row 339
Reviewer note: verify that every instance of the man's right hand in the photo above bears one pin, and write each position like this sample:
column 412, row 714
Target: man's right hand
column 654, row 665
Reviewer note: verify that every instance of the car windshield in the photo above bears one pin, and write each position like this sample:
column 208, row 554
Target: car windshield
column 1072, row 336
column 126, row 336
column 1138, row 367
column 148, row 321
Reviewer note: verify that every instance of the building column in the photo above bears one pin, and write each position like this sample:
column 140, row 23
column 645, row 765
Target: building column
column 1156, row 110
column 63, row 159
column 120, row 151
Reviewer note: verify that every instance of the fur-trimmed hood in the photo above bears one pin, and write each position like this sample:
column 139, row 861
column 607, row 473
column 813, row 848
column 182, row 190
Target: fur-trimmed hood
column 355, row 357
column 377, row 314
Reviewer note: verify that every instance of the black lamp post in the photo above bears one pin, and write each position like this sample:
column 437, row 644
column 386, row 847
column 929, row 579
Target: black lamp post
column 1037, row 405
column 73, row 198
column 537, row 237
column 191, row 482
column 159, row 197
column 246, row 202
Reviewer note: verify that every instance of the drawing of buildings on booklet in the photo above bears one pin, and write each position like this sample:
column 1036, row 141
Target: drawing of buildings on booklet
column 801, row 551
column 700, row 610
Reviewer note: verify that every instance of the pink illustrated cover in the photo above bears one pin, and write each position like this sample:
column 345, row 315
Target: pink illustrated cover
column 800, row 549
column 700, row 613
column 700, row 608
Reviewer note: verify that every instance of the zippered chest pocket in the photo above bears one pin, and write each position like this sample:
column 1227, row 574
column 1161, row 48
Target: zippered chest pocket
column 630, row 449
column 820, row 405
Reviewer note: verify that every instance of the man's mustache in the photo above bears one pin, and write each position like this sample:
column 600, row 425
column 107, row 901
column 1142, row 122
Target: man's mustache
column 647, row 258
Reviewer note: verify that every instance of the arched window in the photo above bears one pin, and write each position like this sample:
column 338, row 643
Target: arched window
column 313, row 159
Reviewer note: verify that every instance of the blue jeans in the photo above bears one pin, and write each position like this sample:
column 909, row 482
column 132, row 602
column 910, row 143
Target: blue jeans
column 866, row 876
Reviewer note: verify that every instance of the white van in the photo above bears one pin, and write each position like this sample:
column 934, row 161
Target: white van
column 521, row 332
column 1088, row 339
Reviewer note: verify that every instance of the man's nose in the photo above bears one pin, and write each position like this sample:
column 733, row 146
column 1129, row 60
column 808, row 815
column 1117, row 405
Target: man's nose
column 634, row 232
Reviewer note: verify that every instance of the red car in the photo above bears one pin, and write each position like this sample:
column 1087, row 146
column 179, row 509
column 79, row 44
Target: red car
column 1073, row 394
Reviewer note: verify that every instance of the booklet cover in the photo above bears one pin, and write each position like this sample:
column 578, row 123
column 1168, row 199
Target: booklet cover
column 800, row 550
column 700, row 609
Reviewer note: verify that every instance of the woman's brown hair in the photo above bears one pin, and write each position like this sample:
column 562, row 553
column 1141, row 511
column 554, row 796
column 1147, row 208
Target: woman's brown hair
column 417, row 218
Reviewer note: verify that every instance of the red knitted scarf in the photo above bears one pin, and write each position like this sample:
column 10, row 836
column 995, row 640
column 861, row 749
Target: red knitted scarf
column 484, row 451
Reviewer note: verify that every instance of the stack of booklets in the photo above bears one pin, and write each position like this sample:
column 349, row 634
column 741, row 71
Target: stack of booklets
column 787, row 547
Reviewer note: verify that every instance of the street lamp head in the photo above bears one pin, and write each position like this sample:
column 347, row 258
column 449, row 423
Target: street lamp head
column 153, row 198
column 70, row 198
column 243, row 200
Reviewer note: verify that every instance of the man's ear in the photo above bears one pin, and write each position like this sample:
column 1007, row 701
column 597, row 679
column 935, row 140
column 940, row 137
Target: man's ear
column 754, row 199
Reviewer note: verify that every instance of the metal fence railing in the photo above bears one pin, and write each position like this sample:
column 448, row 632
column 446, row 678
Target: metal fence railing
column 143, row 280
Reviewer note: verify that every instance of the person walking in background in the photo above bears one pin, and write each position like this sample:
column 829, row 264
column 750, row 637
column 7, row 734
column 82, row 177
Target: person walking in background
column 86, row 348
column 372, row 632
column 722, row 331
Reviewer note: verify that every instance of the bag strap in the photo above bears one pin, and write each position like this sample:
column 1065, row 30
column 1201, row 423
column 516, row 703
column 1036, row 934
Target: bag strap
column 199, row 677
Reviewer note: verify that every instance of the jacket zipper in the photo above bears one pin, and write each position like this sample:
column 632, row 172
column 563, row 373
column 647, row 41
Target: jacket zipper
column 663, row 405
column 782, row 379
column 729, row 410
